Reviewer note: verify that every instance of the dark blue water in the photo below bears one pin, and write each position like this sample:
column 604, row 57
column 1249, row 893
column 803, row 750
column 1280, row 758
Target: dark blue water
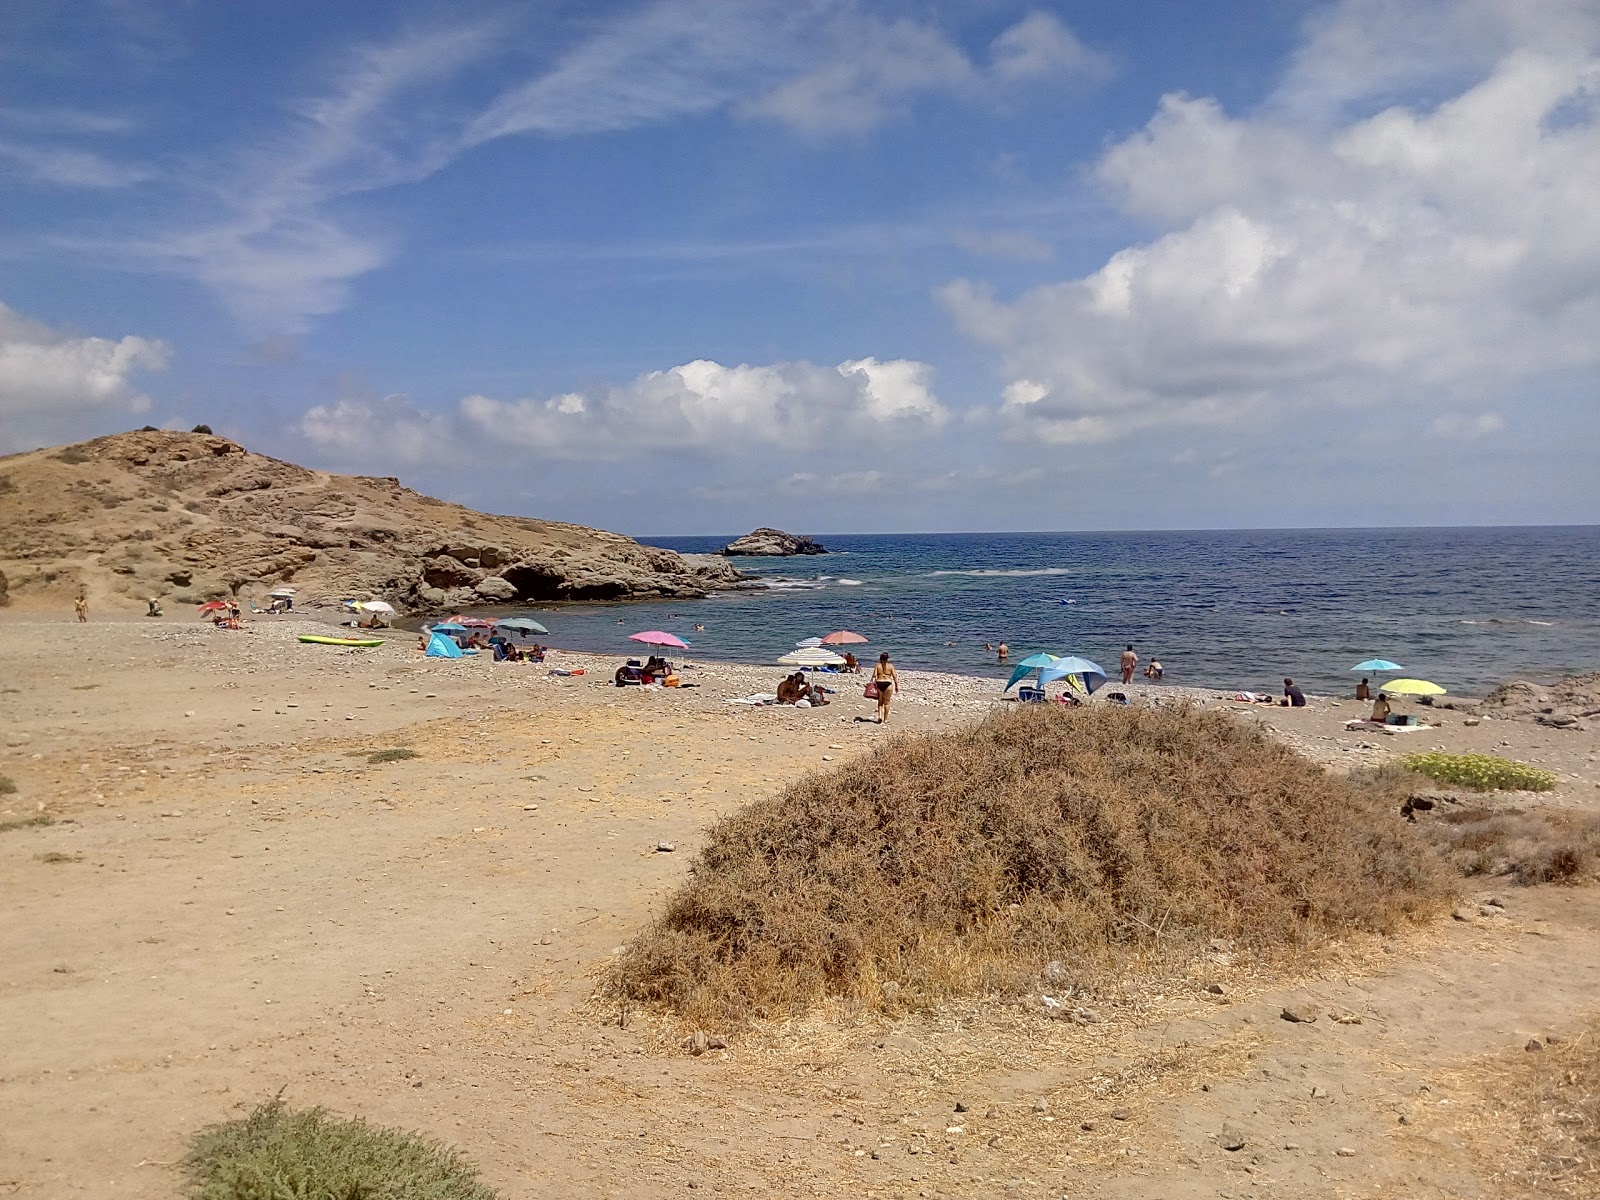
column 1466, row 608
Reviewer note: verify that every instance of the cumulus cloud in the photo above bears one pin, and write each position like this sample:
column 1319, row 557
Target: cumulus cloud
column 1424, row 254
column 388, row 429
column 873, row 68
column 706, row 407
column 53, row 384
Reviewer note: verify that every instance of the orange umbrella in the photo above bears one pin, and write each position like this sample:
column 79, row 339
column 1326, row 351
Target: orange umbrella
column 842, row 637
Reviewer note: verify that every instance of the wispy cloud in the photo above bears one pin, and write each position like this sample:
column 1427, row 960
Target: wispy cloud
column 62, row 166
column 65, row 120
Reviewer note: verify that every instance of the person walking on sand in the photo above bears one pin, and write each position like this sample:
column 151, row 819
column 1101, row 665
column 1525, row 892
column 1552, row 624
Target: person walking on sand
column 81, row 607
column 886, row 682
column 1130, row 663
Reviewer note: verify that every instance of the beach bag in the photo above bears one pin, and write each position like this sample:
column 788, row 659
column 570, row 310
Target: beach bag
column 671, row 681
column 870, row 691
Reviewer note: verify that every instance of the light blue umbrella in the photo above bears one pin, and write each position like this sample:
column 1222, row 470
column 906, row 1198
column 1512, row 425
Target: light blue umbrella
column 1091, row 673
column 1034, row 662
column 1377, row 664
column 447, row 627
column 523, row 625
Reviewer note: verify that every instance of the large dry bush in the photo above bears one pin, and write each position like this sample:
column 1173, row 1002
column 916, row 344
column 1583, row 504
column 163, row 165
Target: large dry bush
column 960, row 863
column 1536, row 845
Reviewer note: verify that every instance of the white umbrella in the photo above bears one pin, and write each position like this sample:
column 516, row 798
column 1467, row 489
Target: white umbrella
column 377, row 606
column 809, row 643
column 281, row 592
column 811, row 656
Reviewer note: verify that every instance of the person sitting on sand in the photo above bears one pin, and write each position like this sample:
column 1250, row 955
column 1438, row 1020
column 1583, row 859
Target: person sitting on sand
column 851, row 666
column 1380, row 709
column 1363, row 690
column 1292, row 695
column 789, row 689
column 152, row 607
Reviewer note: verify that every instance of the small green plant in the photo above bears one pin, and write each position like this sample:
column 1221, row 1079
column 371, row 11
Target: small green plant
column 277, row 1152
column 1480, row 772
column 397, row 755
column 25, row 822
column 8, row 786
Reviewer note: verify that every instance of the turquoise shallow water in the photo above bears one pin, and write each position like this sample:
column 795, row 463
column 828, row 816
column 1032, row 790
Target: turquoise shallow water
column 1466, row 608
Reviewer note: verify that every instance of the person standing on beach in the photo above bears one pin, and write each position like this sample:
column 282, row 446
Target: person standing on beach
column 1130, row 663
column 81, row 607
column 886, row 682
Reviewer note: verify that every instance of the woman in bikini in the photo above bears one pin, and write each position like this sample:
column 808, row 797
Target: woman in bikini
column 886, row 681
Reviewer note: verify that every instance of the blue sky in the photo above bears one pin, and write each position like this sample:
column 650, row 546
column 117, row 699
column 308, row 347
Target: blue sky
column 683, row 267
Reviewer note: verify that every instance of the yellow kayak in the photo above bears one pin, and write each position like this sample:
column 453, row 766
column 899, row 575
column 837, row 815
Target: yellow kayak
column 318, row 639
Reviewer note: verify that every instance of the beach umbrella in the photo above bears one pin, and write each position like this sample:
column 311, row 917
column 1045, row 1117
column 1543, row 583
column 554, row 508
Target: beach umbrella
column 1027, row 666
column 1377, row 664
column 811, row 656
column 476, row 623
column 808, row 643
column 1411, row 687
column 375, row 606
column 657, row 637
column 522, row 625
column 212, row 606
column 282, row 593
column 1091, row 674
column 842, row 637
column 447, row 627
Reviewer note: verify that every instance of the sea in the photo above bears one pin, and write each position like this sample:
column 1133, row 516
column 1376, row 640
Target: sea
column 1466, row 608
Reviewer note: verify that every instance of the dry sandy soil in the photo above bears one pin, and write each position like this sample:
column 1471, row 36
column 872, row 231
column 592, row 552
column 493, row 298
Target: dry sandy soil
column 233, row 901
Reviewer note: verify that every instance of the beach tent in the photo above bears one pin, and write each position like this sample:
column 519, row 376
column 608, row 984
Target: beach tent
column 1028, row 666
column 439, row 646
column 1072, row 668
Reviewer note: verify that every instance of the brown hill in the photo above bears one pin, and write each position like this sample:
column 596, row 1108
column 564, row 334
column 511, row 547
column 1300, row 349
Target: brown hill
column 190, row 516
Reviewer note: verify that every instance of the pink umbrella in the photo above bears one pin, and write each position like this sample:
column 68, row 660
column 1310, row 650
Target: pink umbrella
column 655, row 637
column 475, row 623
column 842, row 637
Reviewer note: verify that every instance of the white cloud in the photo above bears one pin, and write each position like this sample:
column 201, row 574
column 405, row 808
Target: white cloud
column 709, row 408
column 1039, row 44
column 1016, row 244
column 872, row 69
column 839, row 483
column 63, row 166
column 65, row 120
column 1428, row 255
column 385, row 430
column 52, row 383
column 1463, row 425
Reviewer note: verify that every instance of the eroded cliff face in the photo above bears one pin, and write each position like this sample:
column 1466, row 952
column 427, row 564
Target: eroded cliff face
column 189, row 517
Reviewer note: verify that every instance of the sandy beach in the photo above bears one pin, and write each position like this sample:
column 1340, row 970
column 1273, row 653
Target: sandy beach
column 222, row 898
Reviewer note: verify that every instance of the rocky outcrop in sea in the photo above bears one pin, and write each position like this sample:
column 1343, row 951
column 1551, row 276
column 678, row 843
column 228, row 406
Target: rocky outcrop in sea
column 773, row 543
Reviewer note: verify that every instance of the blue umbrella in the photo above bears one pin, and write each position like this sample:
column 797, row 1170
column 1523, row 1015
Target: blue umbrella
column 520, row 624
column 1092, row 673
column 1377, row 664
column 447, row 627
column 1034, row 662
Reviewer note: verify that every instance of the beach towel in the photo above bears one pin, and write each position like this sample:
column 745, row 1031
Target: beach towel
column 755, row 698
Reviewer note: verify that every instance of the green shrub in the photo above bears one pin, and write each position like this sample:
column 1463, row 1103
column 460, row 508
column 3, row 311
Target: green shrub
column 1480, row 772
column 383, row 756
column 8, row 786
column 25, row 822
column 278, row 1153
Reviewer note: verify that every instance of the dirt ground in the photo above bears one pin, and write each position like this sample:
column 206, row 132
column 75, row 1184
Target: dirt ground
column 233, row 901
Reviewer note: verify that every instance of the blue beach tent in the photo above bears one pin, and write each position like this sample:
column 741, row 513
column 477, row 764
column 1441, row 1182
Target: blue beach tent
column 440, row 646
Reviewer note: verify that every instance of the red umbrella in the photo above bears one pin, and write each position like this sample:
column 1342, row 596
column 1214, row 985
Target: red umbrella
column 842, row 637
column 212, row 606
column 655, row 637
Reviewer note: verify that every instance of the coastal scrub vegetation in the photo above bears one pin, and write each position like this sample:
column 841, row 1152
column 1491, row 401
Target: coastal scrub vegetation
column 1539, row 845
column 26, row 822
column 967, row 862
column 8, row 786
column 278, row 1152
column 399, row 754
column 1480, row 772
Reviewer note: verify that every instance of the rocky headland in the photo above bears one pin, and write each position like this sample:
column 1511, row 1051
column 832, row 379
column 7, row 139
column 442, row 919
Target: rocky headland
column 773, row 543
column 188, row 517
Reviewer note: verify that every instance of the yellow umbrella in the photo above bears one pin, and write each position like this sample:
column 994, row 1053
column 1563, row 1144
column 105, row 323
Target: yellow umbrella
column 1411, row 687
